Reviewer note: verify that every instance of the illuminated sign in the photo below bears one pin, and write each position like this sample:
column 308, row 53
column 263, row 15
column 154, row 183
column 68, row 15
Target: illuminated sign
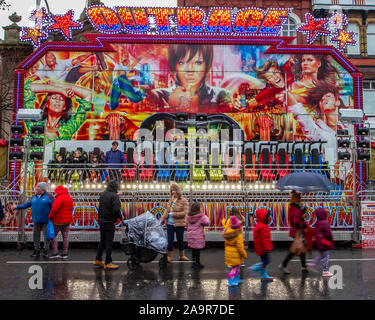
column 187, row 21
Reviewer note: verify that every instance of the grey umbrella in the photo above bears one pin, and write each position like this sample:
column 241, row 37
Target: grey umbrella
column 305, row 182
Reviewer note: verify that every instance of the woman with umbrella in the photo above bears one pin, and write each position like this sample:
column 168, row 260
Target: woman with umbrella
column 297, row 226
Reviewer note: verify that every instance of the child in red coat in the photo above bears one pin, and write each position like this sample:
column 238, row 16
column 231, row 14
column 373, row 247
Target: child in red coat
column 323, row 241
column 262, row 243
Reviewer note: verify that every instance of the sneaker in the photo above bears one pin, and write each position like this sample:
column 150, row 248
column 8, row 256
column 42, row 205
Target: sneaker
column 45, row 254
column 64, row 256
column 327, row 274
column 304, row 269
column 98, row 263
column 54, row 256
column 312, row 267
column 36, row 253
column 111, row 266
column 283, row 269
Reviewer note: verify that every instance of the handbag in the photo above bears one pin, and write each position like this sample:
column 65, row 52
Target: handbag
column 298, row 245
column 50, row 232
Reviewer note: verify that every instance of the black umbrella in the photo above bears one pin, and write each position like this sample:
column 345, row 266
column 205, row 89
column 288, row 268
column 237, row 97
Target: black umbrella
column 305, row 182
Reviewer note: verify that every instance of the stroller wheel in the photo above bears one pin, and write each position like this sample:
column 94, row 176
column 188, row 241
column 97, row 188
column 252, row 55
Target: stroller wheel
column 133, row 263
column 163, row 261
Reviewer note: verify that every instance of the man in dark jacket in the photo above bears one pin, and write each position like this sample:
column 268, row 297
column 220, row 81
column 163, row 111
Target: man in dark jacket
column 115, row 160
column 109, row 211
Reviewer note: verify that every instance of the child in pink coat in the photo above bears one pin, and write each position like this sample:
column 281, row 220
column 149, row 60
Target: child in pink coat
column 195, row 221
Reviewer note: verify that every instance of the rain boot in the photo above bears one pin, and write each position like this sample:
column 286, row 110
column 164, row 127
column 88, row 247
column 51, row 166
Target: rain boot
column 232, row 281
column 170, row 256
column 256, row 267
column 264, row 276
column 237, row 279
column 182, row 256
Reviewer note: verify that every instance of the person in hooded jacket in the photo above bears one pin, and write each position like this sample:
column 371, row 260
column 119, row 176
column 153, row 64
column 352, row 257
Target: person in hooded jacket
column 297, row 223
column 262, row 243
column 108, row 213
column 62, row 216
column 41, row 206
column 196, row 221
column 323, row 241
column 235, row 253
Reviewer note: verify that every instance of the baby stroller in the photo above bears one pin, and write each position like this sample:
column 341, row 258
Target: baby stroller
column 143, row 238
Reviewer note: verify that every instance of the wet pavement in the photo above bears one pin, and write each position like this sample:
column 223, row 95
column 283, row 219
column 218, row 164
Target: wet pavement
column 78, row 279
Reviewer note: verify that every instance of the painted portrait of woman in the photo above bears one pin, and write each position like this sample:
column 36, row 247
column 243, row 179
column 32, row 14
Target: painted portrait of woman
column 190, row 65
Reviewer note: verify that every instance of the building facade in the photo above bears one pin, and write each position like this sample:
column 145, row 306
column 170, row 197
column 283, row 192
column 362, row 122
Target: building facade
column 361, row 20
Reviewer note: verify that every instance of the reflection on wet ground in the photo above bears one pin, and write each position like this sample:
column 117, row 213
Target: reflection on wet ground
column 77, row 278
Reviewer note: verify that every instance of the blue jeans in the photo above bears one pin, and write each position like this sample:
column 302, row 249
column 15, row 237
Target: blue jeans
column 180, row 236
column 266, row 259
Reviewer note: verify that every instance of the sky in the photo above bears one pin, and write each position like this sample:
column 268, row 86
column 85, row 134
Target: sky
column 24, row 8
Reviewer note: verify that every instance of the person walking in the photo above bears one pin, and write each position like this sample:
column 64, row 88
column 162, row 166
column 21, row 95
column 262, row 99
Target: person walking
column 62, row 216
column 41, row 206
column 235, row 253
column 323, row 241
column 262, row 244
column 196, row 221
column 297, row 225
column 177, row 209
column 109, row 211
column 114, row 160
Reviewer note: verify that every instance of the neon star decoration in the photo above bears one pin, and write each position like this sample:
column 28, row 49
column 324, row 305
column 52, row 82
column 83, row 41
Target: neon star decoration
column 338, row 20
column 344, row 38
column 64, row 24
column 35, row 35
column 39, row 16
column 313, row 27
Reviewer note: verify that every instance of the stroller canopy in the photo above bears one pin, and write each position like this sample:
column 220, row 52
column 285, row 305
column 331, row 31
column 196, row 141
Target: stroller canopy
column 145, row 231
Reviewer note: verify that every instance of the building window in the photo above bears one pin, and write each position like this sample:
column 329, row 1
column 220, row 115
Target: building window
column 354, row 50
column 369, row 97
column 289, row 29
column 371, row 39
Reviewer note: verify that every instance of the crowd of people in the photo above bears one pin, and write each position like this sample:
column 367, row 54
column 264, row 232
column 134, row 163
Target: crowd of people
column 94, row 169
column 178, row 217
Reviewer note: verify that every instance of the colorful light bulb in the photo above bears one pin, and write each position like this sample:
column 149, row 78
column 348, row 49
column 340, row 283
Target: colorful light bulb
column 162, row 18
column 248, row 20
column 190, row 20
column 104, row 19
column 219, row 18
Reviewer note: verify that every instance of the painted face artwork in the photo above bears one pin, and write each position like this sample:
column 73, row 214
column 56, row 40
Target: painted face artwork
column 56, row 103
column 191, row 72
column 275, row 77
column 328, row 103
column 310, row 64
column 50, row 59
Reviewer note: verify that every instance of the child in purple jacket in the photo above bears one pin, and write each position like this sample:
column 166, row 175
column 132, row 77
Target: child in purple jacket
column 323, row 241
column 195, row 221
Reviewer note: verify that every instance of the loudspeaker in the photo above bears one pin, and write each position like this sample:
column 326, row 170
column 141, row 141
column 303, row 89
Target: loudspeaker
column 36, row 155
column 363, row 156
column 365, row 144
column 343, row 143
column 344, row 155
column 37, row 129
column 17, row 129
column 363, row 131
column 16, row 155
column 36, row 142
column 16, row 142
